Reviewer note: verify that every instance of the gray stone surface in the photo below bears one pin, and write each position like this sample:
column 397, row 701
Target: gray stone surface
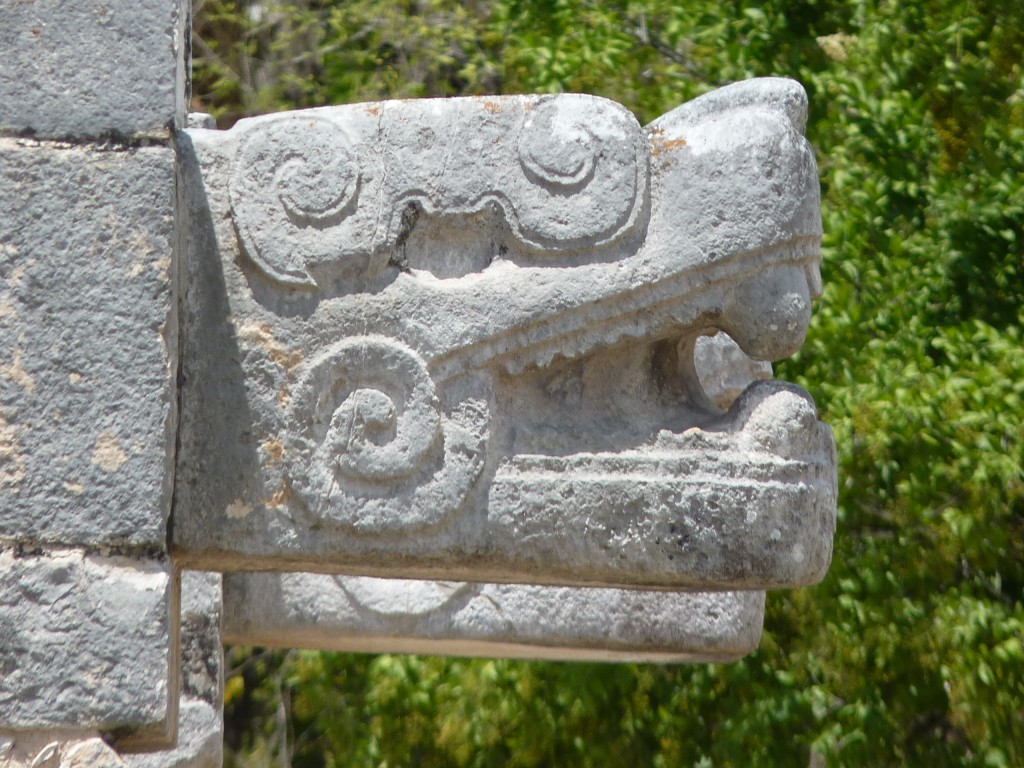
column 456, row 339
column 88, row 345
column 85, row 645
column 340, row 613
column 93, row 70
column 363, row 614
column 56, row 749
column 198, row 728
column 90, row 93
column 723, row 371
column 200, row 740
column 200, row 733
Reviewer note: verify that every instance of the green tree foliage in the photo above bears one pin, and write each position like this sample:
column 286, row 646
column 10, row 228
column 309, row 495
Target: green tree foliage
column 911, row 652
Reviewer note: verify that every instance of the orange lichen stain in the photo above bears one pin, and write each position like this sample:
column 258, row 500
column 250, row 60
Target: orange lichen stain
column 162, row 267
column 18, row 273
column 75, row 488
column 372, row 109
column 287, row 359
column 493, row 107
column 659, row 144
column 283, row 396
column 280, row 498
column 275, row 449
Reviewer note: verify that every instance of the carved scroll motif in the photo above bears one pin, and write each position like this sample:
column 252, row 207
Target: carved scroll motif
column 309, row 196
column 370, row 448
column 294, row 178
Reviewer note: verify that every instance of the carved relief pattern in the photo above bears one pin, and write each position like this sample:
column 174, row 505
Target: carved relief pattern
column 283, row 197
column 402, row 597
column 529, row 276
column 308, row 195
column 370, row 447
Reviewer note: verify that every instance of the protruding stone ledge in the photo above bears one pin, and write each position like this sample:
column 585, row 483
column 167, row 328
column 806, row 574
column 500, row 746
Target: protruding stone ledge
column 337, row 613
column 455, row 339
column 199, row 741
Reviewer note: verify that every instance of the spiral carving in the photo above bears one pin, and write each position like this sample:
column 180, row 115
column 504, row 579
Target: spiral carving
column 293, row 177
column 557, row 149
column 375, row 417
column 583, row 173
column 370, row 448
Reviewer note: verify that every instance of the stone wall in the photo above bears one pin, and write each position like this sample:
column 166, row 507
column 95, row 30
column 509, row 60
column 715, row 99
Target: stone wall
column 90, row 96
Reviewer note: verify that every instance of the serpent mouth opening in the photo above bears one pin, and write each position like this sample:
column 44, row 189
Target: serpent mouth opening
column 623, row 398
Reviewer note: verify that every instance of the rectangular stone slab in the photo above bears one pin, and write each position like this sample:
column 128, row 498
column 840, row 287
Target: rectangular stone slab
column 85, row 644
column 199, row 741
column 339, row 613
column 454, row 339
column 93, row 70
column 88, row 344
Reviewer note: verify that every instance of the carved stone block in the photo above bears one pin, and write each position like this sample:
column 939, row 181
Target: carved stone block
column 88, row 345
column 455, row 339
column 85, row 645
column 93, row 70
column 345, row 613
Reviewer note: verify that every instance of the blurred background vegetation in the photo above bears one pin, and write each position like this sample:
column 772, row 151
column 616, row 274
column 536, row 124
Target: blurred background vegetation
column 911, row 652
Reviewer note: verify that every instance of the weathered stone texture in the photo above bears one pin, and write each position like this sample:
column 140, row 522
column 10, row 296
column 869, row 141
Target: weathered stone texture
column 200, row 742
column 298, row 610
column 84, row 644
column 87, row 345
column 200, row 735
column 56, row 749
column 89, row 69
column 455, row 339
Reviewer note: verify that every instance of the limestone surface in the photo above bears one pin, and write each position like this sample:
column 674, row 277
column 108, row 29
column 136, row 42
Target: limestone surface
column 88, row 345
column 199, row 740
column 53, row 749
column 85, row 645
column 498, row 620
column 93, row 70
column 455, row 339
column 342, row 613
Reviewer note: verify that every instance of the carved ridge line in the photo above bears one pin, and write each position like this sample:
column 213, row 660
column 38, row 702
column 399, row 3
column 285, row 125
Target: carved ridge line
column 686, row 480
column 433, row 208
column 656, row 461
column 591, row 320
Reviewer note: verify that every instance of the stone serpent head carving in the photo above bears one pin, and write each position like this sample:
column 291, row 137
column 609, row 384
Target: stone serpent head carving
column 490, row 307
